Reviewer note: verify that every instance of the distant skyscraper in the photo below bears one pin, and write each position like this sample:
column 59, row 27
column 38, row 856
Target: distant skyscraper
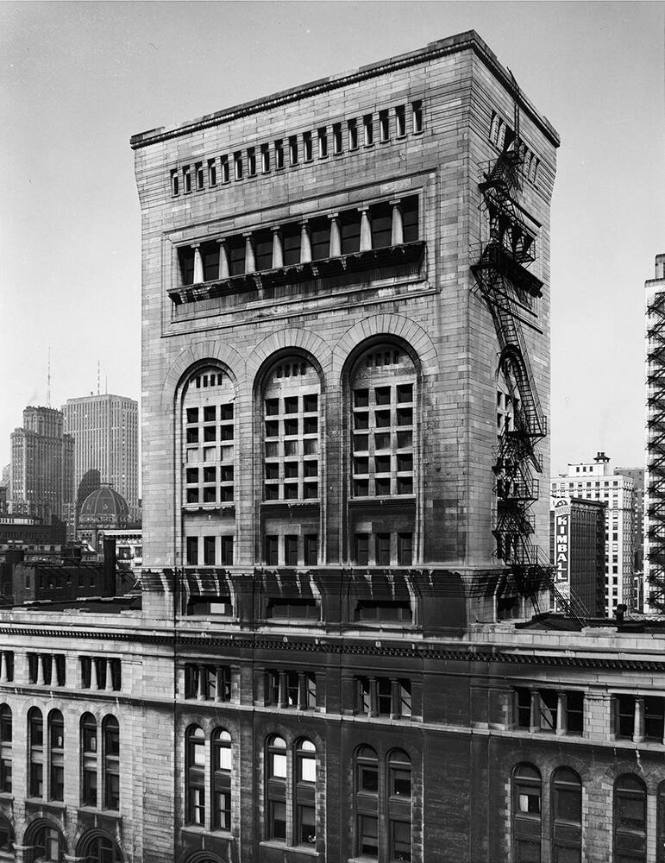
column 42, row 461
column 106, row 450
column 654, row 527
column 596, row 481
column 637, row 475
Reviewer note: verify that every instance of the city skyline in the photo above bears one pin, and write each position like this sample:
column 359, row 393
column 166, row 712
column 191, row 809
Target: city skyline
column 80, row 284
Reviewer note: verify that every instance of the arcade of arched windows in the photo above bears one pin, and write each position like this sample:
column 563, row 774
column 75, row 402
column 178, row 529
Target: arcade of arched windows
column 379, row 447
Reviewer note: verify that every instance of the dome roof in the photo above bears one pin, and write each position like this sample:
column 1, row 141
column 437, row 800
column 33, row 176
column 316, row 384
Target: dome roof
column 104, row 504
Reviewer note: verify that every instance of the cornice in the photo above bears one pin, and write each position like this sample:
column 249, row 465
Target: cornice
column 468, row 40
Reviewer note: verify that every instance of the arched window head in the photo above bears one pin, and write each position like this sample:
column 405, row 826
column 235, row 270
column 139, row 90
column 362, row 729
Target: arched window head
column 527, row 807
column 99, row 849
column 566, row 802
column 276, row 788
column 56, row 744
column 277, row 758
column 222, row 763
column 291, row 431
column 111, row 762
column 367, row 802
column 399, row 774
column 48, row 845
column 305, row 796
column 6, row 734
column 36, row 753
column 305, row 761
column 89, row 746
column 208, row 464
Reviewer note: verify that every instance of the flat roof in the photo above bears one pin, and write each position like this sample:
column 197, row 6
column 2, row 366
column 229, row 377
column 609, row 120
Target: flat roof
column 468, row 40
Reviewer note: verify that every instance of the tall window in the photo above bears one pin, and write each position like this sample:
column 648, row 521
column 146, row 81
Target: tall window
column 88, row 760
column 56, row 745
column 5, row 749
column 208, row 478
column 383, row 402
column 527, row 794
column 660, row 824
column 291, row 431
column 276, row 788
column 195, row 767
column 35, row 753
column 111, row 763
column 291, row 770
column 305, row 786
column 566, row 816
column 399, row 806
column 222, row 763
column 367, row 803
column 630, row 820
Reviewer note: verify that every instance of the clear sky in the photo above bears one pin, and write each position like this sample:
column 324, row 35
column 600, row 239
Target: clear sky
column 77, row 79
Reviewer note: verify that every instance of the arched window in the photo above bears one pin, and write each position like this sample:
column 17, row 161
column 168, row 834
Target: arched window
column 111, row 763
column 5, row 749
column 195, row 767
column 305, row 788
column 399, row 805
column 35, row 753
column 276, row 774
column 98, row 849
column 56, row 745
column 222, row 763
column 88, row 733
column 6, row 835
column 630, row 820
column 48, row 844
column 367, row 802
column 291, row 460
column 208, row 459
column 527, row 797
column 566, row 816
column 382, row 447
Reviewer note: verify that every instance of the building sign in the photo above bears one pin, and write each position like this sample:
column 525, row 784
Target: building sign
column 561, row 544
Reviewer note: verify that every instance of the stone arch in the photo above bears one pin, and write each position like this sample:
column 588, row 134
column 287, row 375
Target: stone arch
column 196, row 353
column 86, row 844
column 281, row 342
column 386, row 326
column 202, row 857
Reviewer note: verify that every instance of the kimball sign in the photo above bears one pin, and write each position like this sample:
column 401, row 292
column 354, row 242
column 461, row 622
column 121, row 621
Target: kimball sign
column 561, row 508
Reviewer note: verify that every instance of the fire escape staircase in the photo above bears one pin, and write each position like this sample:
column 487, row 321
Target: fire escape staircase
column 501, row 273
column 655, row 510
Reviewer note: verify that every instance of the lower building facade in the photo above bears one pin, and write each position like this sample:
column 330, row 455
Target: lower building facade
column 359, row 735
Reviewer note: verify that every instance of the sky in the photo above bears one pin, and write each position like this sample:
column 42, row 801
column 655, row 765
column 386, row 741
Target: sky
column 78, row 79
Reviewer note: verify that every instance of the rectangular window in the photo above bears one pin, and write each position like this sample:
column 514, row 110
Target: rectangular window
column 368, row 836
column 89, row 786
column 271, row 550
column 175, row 183
column 384, row 126
column 212, row 172
column 293, row 150
column 291, row 550
column 311, row 542
column 624, row 716
column 368, row 130
column 352, row 127
column 209, row 550
column 307, row 146
column 382, row 549
column 192, row 551
column 361, row 549
column 417, row 115
column 277, row 820
column 405, row 549
column 523, row 707
column 265, row 158
column 187, row 179
column 224, row 162
column 337, row 138
column 237, row 165
column 251, row 162
column 279, row 154
column 199, row 175
column 227, row 551
column 322, row 135
column 400, row 121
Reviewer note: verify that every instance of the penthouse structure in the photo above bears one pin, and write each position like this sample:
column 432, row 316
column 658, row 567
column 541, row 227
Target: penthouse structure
column 346, row 369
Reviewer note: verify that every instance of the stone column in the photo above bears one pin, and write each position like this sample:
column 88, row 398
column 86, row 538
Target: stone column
column 302, row 691
column 277, row 253
column 250, row 263
column 562, row 713
column 109, row 676
column 224, row 270
column 41, row 678
column 198, row 264
column 534, row 722
column 3, row 667
column 305, row 243
column 638, row 724
column 335, row 249
column 283, row 694
column 394, row 699
column 201, row 694
column 365, row 230
column 94, row 679
column 373, row 701
column 397, row 228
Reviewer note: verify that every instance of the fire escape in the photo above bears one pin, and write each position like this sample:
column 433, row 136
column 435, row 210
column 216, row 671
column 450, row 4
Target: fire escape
column 656, row 450
column 506, row 284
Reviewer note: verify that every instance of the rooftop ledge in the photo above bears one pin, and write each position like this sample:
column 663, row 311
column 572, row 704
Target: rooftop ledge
column 468, row 40
column 356, row 261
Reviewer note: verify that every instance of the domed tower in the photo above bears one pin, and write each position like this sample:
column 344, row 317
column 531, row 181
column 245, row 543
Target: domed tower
column 103, row 509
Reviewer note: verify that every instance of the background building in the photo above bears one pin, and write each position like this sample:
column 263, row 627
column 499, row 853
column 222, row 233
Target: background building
column 577, row 550
column 637, row 474
column 41, row 475
column 106, row 450
column 596, row 481
column 654, row 555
